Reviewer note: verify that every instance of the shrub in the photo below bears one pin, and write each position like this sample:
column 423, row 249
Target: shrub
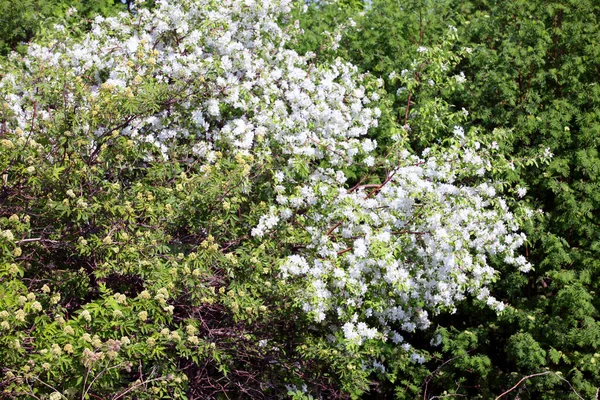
column 191, row 208
column 20, row 21
column 530, row 67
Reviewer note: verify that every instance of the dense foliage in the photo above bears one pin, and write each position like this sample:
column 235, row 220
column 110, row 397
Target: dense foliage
column 208, row 199
column 531, row 67
column 22, row 20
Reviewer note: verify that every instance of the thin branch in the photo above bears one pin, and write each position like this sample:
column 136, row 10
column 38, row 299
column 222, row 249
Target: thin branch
column 39, row 239
column 85, row 391
column 138, row 385
column 47, row 385
column 87, row 374
column 344, row 251
column 540, row 374
column 431, row 375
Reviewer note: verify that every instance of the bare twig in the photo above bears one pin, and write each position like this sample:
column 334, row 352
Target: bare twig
column 46, row 384
column 39, row 239
column 432, row 375
column 85, row 391
column 87, row 374
column 541, row 374
column 138, row 385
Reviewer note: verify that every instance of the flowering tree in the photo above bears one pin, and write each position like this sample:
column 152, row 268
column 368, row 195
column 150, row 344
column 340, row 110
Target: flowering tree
column 184, row 196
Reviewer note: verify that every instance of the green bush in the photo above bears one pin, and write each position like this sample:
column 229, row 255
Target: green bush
column 530, row 68
column 192, row 209
column 21, row 20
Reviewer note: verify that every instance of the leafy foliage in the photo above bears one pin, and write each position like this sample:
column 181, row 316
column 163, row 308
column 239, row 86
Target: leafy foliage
column 191, row 209
column 20, row 21
column 531, row 67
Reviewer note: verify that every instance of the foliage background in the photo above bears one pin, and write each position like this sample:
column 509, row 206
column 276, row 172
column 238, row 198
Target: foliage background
column 532, row 69
column 20, row 21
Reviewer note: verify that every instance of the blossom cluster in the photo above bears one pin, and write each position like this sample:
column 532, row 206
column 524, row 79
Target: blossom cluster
column 380, row 259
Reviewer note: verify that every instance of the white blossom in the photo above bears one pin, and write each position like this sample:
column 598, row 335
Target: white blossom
column 423, row 231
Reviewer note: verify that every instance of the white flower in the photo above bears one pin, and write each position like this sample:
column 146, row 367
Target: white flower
column 55, row 396
column 85, row 314
column 213, row 108
column 362, row 251
column 350, row 331
column 132, row 44
column 20, row 315
column 417, row 358
column 460, row 78
column 459, row 131
column 7, row 234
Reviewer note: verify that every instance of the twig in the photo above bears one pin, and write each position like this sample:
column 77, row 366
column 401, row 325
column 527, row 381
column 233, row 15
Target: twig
column 431, row 375
column 138, row 385
column 39, row 239
column 85, row 391
column 541, row 374
column 344, row 251
column 45, row 384
column 87, row 374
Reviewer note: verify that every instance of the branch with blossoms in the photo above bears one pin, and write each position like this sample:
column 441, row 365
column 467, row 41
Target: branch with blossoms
column 214, row 203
